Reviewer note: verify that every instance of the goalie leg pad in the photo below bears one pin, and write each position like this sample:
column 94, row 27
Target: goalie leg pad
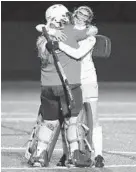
column 76, row 133
column 31, row 140
column 71, row 134
column 45, row 141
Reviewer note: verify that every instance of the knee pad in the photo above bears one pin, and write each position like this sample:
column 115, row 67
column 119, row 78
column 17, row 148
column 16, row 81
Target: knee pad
column 45, row 140
column 71, row 133
column 43, row 137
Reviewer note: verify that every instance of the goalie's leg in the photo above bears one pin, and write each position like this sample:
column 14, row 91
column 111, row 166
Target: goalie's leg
column 79, row 148
column 45, row 140
column 32, row 136
column 48, row 132
column 75, row 133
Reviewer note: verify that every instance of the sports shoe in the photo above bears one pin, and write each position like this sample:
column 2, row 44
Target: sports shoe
column 99, row 161
column 81, row 159
column 62, row 160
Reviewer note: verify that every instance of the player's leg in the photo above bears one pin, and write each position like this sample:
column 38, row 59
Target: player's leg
column 96, row 133
column 90, row 96
column 48, row 131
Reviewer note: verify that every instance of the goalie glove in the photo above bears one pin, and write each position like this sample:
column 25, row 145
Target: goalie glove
column 52, row 45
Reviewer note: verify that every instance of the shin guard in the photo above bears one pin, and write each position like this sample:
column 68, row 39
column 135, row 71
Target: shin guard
column 80, row 150
column 31, row 140
column 45, row 140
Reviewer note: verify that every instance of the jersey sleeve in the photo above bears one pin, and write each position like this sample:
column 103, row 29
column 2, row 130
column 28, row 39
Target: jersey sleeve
column 85, row 46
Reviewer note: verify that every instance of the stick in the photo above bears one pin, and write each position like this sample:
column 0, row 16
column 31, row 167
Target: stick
column 67, row 91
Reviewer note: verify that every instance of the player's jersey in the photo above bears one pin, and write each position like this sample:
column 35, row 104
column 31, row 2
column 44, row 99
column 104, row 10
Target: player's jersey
column 88, row 71
column 72, row 68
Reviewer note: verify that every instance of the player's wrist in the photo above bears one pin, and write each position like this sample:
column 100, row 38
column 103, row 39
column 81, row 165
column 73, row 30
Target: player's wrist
column 61, row 46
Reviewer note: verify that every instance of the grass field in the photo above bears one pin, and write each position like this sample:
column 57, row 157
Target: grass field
column 117, row 112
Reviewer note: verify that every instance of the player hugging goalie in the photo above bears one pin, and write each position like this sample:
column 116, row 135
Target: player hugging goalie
column 72, row 38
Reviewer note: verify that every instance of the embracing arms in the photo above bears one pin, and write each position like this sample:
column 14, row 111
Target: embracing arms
column 85, row 47
column 58, row 34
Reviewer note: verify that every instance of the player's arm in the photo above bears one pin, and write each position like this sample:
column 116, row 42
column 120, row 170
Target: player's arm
column 43, row 53
column 86, row 46
column 92, row 30
column 44, row 49
column 58, row 34
column 50, row 31
column 41, row 46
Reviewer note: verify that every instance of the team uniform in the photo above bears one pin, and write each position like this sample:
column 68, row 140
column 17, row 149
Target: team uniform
column 72, row 69
column 53, row 100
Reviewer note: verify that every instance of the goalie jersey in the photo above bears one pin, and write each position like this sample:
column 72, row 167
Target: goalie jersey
column 72, row 67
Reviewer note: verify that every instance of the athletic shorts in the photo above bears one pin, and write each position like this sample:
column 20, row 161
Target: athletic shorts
column 53, row 99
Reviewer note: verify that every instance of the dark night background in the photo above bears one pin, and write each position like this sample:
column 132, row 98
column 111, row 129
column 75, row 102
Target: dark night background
column 115, row 19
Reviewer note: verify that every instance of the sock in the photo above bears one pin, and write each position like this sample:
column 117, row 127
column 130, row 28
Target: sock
column 64, row 144
column 97, row 140
column 73, row 147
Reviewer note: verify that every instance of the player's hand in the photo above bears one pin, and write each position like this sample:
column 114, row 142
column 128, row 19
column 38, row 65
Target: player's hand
column 92, row 31
column 39, row 27
column 60, row 36
column 52, row 45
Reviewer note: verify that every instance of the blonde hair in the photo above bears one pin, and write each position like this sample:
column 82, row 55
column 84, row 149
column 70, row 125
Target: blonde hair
column 89, row 10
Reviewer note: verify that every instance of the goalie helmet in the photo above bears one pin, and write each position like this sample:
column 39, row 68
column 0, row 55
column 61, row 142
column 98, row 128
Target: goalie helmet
column 57, row 15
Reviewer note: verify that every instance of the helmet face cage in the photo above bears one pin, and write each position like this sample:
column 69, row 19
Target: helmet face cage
column 89, row 10
column 57, row 15
column 65, row 17
column 59, row 21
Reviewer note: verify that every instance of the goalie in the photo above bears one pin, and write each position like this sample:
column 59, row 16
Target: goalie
column 53, row 109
